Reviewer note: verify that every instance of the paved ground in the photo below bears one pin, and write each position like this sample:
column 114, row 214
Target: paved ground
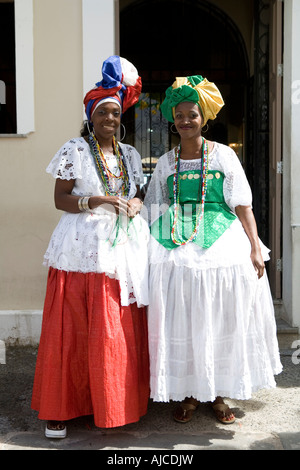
column 269, row 421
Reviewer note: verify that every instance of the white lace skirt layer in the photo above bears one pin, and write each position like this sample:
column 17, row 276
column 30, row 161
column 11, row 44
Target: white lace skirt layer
column 212, row 329
column 85, row 243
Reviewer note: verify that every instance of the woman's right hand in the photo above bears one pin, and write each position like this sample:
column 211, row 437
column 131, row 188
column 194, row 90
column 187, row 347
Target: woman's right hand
column 115, row 204
column 66, row 201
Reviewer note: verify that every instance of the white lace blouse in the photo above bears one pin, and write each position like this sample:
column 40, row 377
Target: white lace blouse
column 74, row 161
column 85, row 242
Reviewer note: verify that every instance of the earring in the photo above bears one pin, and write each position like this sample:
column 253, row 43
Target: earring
column 205, row 130
column 172, row 129
column 124, row 132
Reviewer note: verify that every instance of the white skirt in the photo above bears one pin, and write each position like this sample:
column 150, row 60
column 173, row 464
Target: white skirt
column 92, row 242
column 212, row 329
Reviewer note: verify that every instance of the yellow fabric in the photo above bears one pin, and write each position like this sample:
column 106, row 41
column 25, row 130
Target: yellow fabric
column 210, row 98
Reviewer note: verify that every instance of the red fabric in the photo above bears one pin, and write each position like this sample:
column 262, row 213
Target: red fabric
column 100, row 93
column 130, row 95
column 93, row 353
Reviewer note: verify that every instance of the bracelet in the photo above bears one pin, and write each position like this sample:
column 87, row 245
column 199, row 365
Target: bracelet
column 83, row 204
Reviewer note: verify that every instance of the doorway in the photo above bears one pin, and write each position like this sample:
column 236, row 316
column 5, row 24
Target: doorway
column 164, row 47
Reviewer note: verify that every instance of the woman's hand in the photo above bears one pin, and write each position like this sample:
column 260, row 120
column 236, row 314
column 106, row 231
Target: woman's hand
column 246, row 216
column 258, row 262
column 64, row 200
column 134, row 207
column 115, row 204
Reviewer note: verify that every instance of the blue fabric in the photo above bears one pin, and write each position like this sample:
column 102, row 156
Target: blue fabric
column 112, row 76
column 111, row 72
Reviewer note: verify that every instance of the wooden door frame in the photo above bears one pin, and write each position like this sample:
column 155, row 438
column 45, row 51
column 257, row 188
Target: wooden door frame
column 275, row 159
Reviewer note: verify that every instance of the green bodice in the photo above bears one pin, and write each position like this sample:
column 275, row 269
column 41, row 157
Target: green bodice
column 217, row 215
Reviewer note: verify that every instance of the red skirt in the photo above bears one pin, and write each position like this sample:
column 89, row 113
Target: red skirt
column 93, row 354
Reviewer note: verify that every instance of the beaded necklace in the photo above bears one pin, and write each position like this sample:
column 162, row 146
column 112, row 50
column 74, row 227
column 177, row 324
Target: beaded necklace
column 104, row 172
column 176, row 190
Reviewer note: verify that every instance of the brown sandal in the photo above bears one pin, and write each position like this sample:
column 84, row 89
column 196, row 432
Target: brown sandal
column 220, row 413
column 185, row 411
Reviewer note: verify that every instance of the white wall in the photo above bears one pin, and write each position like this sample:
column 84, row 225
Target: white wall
column 24, row 66
column 99, row 36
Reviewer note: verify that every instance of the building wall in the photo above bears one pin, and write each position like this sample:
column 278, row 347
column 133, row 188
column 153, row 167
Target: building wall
column 27, row 211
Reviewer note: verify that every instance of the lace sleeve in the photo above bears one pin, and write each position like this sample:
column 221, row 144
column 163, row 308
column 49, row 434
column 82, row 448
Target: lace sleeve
column 157, row 197
column 135, row 162
column 237, row 191
column 66, row 164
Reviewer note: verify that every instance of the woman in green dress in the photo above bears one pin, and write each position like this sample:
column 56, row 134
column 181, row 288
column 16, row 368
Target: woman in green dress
column 212, row 331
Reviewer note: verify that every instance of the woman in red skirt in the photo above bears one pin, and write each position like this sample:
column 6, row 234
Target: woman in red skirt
column 93, row 352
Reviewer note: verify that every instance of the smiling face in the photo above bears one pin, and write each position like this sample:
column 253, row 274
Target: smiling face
column 106, row 120
column 188, row 120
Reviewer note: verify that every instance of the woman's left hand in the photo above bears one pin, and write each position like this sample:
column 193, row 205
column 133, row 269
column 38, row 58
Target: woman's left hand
column 258, row 262
column 246, row 216
column 134, row 207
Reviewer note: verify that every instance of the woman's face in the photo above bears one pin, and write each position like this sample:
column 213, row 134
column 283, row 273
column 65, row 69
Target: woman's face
column 106, row 120
column 188, row 120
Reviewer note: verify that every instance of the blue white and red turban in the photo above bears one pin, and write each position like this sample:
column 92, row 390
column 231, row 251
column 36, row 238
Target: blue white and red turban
column 121, row 83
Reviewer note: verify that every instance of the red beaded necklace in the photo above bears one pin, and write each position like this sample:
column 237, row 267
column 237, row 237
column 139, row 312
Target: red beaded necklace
column 176, row 191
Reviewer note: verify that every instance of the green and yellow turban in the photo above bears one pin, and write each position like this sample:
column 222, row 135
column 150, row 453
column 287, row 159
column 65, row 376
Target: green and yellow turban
column 195, row 89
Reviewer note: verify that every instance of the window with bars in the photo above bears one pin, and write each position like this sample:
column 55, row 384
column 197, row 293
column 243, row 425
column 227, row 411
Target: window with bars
column 16, row 68
column 8, row 123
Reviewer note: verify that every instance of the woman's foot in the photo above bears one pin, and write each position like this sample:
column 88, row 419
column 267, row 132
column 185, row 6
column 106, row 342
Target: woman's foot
column 56, row 430
column 222, row 411
column 184, row 411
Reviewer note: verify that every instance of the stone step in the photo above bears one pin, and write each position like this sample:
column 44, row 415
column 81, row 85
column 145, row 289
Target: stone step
column 284, row 328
